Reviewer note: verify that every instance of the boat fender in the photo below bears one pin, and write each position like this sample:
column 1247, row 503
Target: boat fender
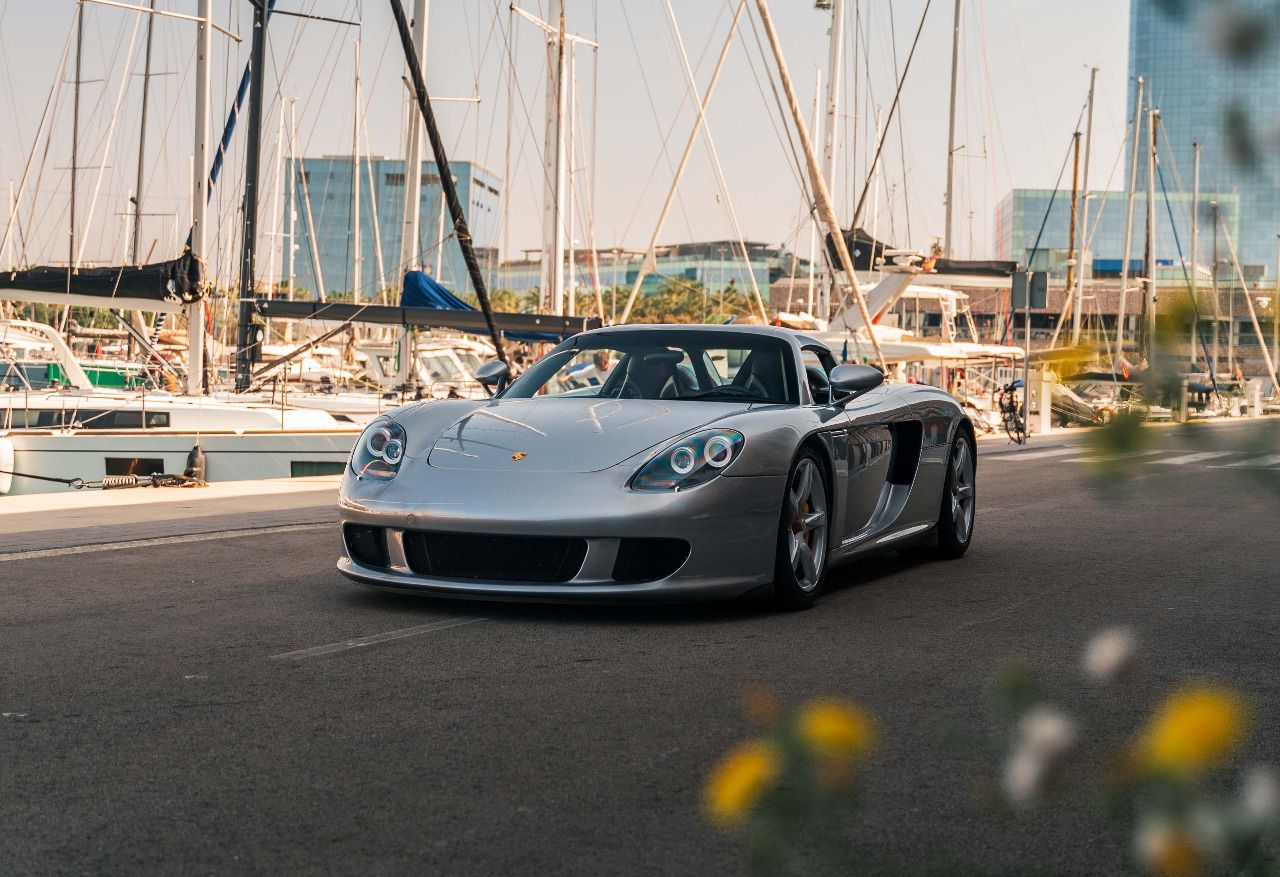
column 6, row 465
column 195, row 464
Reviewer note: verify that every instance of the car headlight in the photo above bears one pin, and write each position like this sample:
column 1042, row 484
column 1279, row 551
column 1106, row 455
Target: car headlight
column 691, row 461
column 379, row 450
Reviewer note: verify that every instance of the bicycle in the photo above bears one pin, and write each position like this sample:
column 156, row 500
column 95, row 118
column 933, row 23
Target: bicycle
column 1011, row 413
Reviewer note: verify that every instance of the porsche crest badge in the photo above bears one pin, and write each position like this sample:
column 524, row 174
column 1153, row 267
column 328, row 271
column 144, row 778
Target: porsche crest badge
column 519, row 455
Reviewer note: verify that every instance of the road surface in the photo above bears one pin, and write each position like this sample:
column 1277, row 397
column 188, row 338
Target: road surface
column 220, row 700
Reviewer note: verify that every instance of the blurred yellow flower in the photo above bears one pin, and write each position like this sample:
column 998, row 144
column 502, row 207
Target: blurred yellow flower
column 836, row 729
column 1195, row 728
column 739, row 780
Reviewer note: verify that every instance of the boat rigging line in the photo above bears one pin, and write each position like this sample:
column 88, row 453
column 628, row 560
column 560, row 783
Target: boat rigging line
column 825, row 207
column 1195, row 306
column 460, row 228
column 648, row 264
column 893, row 107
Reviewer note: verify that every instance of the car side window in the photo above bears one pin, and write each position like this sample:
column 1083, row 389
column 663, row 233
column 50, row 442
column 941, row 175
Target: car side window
column 816, row 373
column 810, row 359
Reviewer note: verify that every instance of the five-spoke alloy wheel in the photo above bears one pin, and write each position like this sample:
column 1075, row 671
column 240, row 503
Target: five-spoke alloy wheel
column 802, row 536
column 955, row 519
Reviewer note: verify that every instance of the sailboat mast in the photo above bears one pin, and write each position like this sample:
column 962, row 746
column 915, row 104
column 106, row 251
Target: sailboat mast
column 253, row 150
column 410, row 256
column 571, row 119
column 505, row 219
column 1217, row 295
column 355, row 184
column 821, row 194
column 556, row 262
column 951, row 128
column 142, row 138
column 1153, row 118
column 831, row 142
column 835, row 61
column 1195, row 244
column 1075, row 212
column 291, row 165
column 410, row 249
column 813, row 219
column 439, row 266
column 75, row 144
column 8, row 243
column 1078, row 301
column 279, row 166
column 1135, row 134
column 553, row 159
column 199, row 197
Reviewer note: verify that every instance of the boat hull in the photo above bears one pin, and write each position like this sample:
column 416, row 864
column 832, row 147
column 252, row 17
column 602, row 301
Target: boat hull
column 229, row 456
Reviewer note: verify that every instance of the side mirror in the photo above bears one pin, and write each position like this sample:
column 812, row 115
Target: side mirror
column 851, row 381
column 493, row 376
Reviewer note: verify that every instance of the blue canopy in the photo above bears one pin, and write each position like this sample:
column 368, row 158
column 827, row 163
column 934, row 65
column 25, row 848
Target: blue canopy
column 421, row 290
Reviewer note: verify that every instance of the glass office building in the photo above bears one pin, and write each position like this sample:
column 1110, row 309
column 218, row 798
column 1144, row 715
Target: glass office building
column 1194, row 83
column 328, row 187
column 1023, row 212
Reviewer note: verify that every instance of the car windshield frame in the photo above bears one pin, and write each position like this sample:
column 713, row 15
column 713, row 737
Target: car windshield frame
column 692, row 343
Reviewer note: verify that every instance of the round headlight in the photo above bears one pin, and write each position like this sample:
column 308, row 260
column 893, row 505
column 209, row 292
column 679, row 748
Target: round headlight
column 379, row 451
column 393, row 451
column 690, row 461
column 683, row 459
column 718, row 452
column 376, row 440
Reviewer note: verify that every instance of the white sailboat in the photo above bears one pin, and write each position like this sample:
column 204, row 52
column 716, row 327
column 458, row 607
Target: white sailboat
column 78, row 432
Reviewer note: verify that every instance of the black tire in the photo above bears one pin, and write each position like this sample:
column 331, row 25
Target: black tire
column 804, row 528
column 959, row 500
column 1015, row 427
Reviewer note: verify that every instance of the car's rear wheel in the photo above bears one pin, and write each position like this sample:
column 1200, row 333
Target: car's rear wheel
column 802, row 535
column 959, row 500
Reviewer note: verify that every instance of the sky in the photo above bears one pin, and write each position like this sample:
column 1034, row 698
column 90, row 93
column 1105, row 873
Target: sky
column 1024, row 72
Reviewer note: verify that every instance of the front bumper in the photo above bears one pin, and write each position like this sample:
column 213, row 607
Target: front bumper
column 730, row 525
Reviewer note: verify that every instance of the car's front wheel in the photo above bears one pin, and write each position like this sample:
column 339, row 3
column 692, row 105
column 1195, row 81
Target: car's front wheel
column 802, row 535
column 959, row 501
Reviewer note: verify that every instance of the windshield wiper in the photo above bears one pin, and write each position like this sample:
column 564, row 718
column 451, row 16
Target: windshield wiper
column 730, row 391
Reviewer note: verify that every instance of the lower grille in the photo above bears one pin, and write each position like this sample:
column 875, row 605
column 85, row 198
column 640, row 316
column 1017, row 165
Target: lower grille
column 366, row 545
column 647, row 560
column 469, row 556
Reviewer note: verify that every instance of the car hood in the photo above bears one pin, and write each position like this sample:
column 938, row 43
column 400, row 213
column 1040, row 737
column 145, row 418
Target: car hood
column 566, row 435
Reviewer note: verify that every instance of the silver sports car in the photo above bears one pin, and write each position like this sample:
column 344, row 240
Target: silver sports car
column 658, row 463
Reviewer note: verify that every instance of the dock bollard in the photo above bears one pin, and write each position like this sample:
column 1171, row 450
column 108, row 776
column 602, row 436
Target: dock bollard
column 1180, row 403
column 1044, row 381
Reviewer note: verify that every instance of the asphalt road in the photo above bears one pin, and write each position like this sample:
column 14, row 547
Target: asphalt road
column 233, row 705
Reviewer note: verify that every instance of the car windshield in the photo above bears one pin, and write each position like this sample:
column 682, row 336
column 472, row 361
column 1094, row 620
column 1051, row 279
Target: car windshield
column 670, row 365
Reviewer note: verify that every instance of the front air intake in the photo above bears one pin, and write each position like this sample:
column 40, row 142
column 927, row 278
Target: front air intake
column 647, row 560
column 494, row 558
column 367, row 545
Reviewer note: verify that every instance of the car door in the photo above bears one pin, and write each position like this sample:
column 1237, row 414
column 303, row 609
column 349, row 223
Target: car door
column 867, row 448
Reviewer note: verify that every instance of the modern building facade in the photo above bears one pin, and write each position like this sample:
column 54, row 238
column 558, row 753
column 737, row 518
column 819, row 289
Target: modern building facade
column 1201, row 89
column 1023, row 212
column 326, row 183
